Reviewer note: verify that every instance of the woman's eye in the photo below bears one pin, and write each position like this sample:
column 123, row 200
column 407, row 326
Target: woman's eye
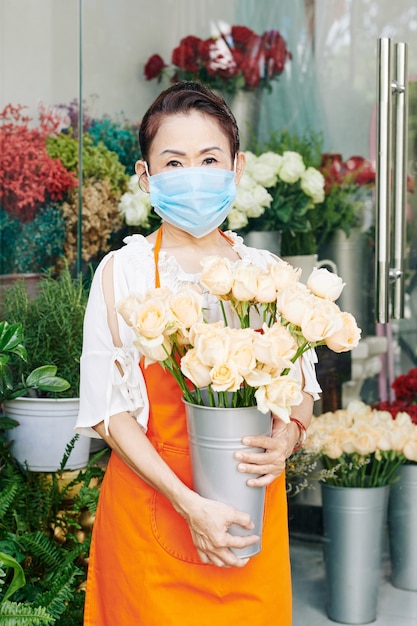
column 173, row 163
column 209, row 161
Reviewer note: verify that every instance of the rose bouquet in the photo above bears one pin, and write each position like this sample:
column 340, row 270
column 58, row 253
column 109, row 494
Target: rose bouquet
column 278, row 192
column 405, row 388
column 236, row 365
column 363, row 446
column 235, row 58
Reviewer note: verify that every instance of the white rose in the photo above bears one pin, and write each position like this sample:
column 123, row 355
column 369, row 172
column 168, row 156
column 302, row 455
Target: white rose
column 264, row 174
column 135, row 208
column 271, row 159
column 236, row 219
column 292, row 167
column 312, row 183
column 325, row 284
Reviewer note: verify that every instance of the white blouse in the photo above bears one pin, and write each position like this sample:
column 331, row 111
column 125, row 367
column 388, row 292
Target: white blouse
column 104, row 391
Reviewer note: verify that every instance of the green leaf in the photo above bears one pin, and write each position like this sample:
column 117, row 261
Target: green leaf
column 18, row 579
column 44, row 378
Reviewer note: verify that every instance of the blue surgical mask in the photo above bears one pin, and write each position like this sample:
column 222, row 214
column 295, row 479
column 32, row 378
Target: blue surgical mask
column 194, row 199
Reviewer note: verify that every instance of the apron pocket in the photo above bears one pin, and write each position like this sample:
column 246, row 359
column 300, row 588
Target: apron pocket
column 170, row 529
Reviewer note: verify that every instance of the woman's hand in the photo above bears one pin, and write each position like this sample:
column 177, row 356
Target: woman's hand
column 278, row 447
column 209, row 522
column 270, row 464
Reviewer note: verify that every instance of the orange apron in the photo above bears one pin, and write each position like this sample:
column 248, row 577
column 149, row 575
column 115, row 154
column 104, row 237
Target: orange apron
column 144, row 569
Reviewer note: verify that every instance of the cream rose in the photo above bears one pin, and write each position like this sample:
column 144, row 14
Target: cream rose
column 322, row 319
column 212, row 344
column 284, row 274
column 325, row 284
column 216, row 275
column 245, row 282
column 241, row 347
column 293, row 301
column 266, row 291
column 225, row 377
column 186, row 307
column 275, row 346
column 155, row 349
column 195, row 370
column 292, row 167
column 151, row 318
column 264, row 174
column 279, row 396
column 346, row 337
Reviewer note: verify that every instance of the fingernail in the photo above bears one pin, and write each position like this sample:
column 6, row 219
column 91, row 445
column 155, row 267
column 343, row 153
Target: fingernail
column 246, row 441
column 241, row 467
column 238, row 456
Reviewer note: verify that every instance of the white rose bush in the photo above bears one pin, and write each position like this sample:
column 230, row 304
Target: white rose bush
column 278, row 192
column 235, row 364
column 363, row 446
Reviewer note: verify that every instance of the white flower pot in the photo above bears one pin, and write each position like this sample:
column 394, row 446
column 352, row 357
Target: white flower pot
column 46, row 426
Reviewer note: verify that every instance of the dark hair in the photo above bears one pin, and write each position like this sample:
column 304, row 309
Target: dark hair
column 184, row 97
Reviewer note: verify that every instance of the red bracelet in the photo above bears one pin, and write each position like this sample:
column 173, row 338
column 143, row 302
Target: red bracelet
column 302, row 433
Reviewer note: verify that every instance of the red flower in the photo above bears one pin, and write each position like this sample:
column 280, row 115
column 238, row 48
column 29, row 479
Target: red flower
column 154, row 67
column 237, row 59
column 355, row 171
column 405, row 387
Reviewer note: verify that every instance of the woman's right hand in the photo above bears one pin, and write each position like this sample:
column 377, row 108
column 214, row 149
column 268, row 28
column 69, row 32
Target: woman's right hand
column 209, row 522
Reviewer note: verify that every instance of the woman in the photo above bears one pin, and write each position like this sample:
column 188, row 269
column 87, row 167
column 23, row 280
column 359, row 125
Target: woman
column 161, row 554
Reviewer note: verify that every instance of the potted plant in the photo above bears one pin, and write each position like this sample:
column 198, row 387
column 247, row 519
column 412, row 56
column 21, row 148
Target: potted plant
column 278, row 194
column 52, row 326
column 363, row 448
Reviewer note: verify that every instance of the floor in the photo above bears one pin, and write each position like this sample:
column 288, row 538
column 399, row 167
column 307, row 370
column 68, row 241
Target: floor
column 395, row 606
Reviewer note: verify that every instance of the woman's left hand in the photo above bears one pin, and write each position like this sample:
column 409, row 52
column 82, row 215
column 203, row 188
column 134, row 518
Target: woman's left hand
column 270, row 464
column 278, row 447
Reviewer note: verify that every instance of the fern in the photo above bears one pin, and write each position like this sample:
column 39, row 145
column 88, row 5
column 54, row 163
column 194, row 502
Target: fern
column 15, row 614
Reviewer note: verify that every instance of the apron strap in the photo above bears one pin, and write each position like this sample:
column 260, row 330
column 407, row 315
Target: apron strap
column 156, row 250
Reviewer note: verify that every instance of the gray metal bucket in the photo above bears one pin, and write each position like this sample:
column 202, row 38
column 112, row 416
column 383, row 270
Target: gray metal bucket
column 354, row 524
column 402, row 524
column 215, row 434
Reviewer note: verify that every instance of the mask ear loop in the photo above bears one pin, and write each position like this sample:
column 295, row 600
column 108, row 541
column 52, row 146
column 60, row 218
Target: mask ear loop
column 139, row 179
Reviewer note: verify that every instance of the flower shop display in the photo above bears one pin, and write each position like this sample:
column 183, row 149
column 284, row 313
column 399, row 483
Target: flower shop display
column 234, row 58
column 135, row 207
column 227, row 366
column 364, row 448
column 39, row 185
column 32, row 186
column 279, row 193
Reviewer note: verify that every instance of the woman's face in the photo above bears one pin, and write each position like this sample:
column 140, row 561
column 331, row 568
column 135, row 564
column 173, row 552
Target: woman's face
column 190, row 140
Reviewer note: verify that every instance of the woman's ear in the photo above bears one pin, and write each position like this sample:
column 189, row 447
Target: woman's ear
column 240, row 166
column 142, row 174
